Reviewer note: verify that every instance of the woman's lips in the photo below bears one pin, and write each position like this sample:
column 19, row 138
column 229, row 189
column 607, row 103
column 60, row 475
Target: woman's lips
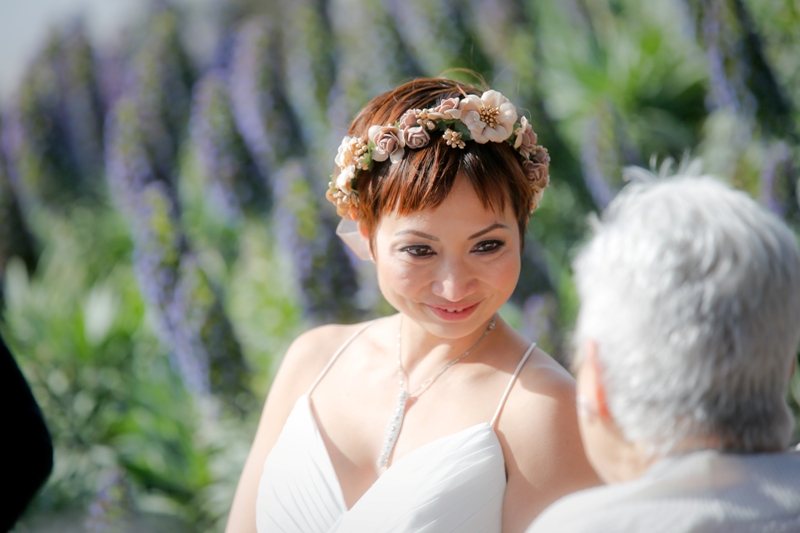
column 453, row 312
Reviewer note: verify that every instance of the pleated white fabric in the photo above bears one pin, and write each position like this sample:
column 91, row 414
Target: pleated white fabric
column 454, row 483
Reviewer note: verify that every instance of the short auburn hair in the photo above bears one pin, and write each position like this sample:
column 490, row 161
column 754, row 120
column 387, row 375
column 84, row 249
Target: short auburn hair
column 424, row 177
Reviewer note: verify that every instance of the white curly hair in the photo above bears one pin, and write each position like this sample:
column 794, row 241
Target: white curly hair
column 691, row 291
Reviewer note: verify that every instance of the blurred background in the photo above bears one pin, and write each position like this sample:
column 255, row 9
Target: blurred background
column 163, row 231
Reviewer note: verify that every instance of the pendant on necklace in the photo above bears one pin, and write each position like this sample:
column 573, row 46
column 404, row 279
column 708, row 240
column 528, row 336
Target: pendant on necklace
column 393, row 428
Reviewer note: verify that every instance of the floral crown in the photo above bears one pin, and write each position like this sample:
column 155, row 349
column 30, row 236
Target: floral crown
column 490, row 117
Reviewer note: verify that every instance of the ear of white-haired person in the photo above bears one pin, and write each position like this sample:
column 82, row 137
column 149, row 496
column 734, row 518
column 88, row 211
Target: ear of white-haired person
column 591, row 393
column 585, row 407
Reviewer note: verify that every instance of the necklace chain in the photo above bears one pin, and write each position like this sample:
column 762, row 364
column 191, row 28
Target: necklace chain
column 398, row 415
column 425, row 385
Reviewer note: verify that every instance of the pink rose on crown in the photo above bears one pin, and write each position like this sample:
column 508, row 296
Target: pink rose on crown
column 540, row 155
column 446, row 110
column 409, row 119
column 537, row 174
column 388, row 141
column 414, row 135
column 525, row 141
column 537, row 168
column 490, row 117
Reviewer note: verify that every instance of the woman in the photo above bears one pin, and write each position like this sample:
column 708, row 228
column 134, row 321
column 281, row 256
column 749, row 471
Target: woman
column 440, row 417
column 687, row 337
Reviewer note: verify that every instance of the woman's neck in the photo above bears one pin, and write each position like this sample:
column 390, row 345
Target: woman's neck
column 418, row 346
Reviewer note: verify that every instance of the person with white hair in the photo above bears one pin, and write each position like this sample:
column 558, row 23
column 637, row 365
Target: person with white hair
column 685, row 343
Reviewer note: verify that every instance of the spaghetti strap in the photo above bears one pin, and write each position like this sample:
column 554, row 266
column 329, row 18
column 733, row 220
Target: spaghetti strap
column 511, row 383
column 336, row 355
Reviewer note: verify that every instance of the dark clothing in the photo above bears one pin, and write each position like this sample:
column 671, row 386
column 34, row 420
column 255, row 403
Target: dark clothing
column 27, row 449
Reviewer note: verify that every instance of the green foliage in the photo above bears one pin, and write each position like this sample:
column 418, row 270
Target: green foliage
column 214, row 249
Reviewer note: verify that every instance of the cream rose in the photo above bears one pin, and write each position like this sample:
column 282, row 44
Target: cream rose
column 490, row 117
column 344, row 181
column 345, row 155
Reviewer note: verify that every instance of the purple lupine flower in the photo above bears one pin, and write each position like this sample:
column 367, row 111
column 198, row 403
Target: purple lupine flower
column 189, row 317
column 742, row 78
column 777, row 174
column 113, row 77
column 162, row 78
column 495, row 24
column 434, row 31
column 368, row 32
column 150, row 207
column 81, row 109
column 16, row 239
column 159, row 246
column 128, row 164
column 265, row 120
column 55, row 149
column 326, row 280
column 112, row 505
column 728, row 88
column 233, row 178
column 592, row 167
column 309, row 65
column 203, row 331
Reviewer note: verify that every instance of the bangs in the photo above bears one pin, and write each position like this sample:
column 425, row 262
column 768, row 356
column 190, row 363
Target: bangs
column 424, row 178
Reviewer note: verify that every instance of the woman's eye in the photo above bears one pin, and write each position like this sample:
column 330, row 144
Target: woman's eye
column 484, row 247
column 418, row 250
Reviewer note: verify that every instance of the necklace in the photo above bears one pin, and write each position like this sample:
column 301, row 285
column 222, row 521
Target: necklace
column 392, row 431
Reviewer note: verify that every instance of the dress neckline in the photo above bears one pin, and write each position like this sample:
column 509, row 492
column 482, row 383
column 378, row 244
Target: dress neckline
column 395, row 465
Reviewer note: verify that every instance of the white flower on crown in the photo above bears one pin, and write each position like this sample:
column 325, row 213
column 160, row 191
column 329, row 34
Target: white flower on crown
column 490, row 117
column 453, row 139
column 344, row 181
column 352, row 151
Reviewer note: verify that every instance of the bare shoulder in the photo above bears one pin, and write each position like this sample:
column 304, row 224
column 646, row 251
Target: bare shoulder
column 544, row 375
column 539, row 426
column 308, row 354
column 304, row 360
column 542, row 402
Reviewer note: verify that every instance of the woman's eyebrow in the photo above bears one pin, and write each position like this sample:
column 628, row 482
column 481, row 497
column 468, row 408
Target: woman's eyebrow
column 418, row 234
column 487, row 230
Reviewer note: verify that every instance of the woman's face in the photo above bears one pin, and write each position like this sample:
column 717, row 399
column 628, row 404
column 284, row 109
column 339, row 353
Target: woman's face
column 452, row 267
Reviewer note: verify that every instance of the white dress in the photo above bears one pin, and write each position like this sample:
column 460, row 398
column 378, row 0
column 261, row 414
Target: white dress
column 454, row 483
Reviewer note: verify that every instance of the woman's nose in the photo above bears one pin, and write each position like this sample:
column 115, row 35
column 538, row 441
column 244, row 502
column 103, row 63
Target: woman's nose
column 454, row 282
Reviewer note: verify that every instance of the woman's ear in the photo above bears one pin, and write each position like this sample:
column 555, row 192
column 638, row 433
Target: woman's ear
column 591, row 388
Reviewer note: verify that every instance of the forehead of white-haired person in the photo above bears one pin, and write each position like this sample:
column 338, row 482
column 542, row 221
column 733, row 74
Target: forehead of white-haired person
column 688, row 328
